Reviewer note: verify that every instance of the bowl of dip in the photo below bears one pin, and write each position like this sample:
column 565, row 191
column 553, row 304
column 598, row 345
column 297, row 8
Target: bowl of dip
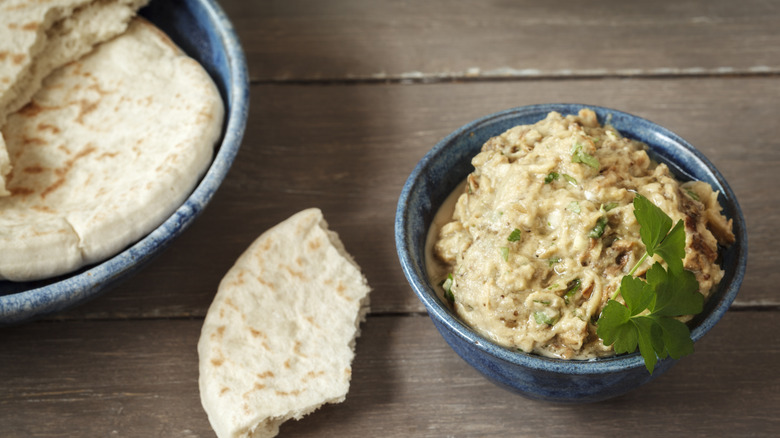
column 537, row 376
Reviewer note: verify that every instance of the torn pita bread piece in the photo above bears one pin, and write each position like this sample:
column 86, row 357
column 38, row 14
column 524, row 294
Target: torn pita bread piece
column 109, row 147
column 37, row 37
column 278, row 339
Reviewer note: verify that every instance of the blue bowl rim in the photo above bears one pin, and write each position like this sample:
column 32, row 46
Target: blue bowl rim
column 598, row 366
column 40, row 301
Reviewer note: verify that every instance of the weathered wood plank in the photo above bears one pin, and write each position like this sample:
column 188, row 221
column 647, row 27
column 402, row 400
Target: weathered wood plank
column 139, row 378
column 349, row 149
column 410, row 40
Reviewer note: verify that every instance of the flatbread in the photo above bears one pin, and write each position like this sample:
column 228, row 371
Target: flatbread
column 37, row 37
column 278, row 339
column 105, row 151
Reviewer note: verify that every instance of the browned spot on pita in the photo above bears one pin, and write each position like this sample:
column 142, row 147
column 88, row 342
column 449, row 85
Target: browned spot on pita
column 43, row 209
column 217, row 361
column 85, row 107
column 219, row 333
column 33, row 26
column 286, row 393
column 315, row 244
column 312, row 322
column 340, row 289
column 18, row 58
column 52, row 187
column 292, row 272
column 13, row 26
column 63, row 171
column 96, row 88
column 348, row 371
column 266, row 245
column 32, row 109
column 297, row 349
column 224, row 390
column 287, row 364
column 312, row 375
column 257, row 333
column 263, row 282
column 48, row 127
column 265, row 375
column 34, row 169
column 107, row 155
column 6, row 80
column 298, row 261
column 229, row 303
column 33, row 141
column 3, row 55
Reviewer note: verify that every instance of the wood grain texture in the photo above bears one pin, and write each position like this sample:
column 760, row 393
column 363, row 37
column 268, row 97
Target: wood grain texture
column 139, row 378
column 296, row 40
column 349, row 150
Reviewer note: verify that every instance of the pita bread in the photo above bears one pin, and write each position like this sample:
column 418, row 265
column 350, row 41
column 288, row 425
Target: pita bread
column 105, row 151
column 278, row 339
column 38, row 37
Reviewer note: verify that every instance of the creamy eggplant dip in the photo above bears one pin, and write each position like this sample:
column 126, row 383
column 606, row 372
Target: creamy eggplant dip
column 532, row 245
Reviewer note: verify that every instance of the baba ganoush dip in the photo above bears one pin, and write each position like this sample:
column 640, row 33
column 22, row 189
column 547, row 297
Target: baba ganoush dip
column 534, row 243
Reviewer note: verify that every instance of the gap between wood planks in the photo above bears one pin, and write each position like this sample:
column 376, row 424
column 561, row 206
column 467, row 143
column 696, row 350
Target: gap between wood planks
column 508, row 75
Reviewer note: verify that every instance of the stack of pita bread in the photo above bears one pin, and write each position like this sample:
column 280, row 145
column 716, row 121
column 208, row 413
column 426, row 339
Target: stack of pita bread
column 108, row 127
column 278, row 339
column 37, row 37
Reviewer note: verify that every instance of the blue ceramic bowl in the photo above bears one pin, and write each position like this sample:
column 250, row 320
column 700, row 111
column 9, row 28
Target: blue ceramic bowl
column 202, row 30
column 448, row 163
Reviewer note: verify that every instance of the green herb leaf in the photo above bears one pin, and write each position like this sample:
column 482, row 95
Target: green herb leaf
column 692, row 194
column 654, row 223
column 447, row 286
column 573, row 288
column 672, row 247
column 542, row 318
column 504, row 252
column 570, row 179
column 609, row 206
column 676, row 294
column 552, row 176
column 515, row 235
column 598, row 229
column 553, row 260
column 574, row 207
column 580, row 156
column 647, row 320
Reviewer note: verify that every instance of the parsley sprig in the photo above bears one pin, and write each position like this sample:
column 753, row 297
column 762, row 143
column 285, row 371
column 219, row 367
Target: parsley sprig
column 648, row 318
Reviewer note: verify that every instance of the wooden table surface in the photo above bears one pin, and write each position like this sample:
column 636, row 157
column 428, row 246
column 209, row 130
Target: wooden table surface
column 346, row 97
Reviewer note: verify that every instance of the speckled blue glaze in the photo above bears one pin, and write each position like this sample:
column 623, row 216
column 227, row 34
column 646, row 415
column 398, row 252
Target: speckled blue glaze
column 202, row 30
column 448, row 163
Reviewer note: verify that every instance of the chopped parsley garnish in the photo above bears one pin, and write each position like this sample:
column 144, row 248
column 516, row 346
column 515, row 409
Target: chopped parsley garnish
column 447, row 286
column 609, row 206
column 552, row 176
column 580, row 156
column 504, row 252
column 574, row 207
column 553, row 260
column 570, row 179
column 514, row 236
column 543, row 318
column 692, row 194
column 647, row 320
column 598, row 229
column 573, row 288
